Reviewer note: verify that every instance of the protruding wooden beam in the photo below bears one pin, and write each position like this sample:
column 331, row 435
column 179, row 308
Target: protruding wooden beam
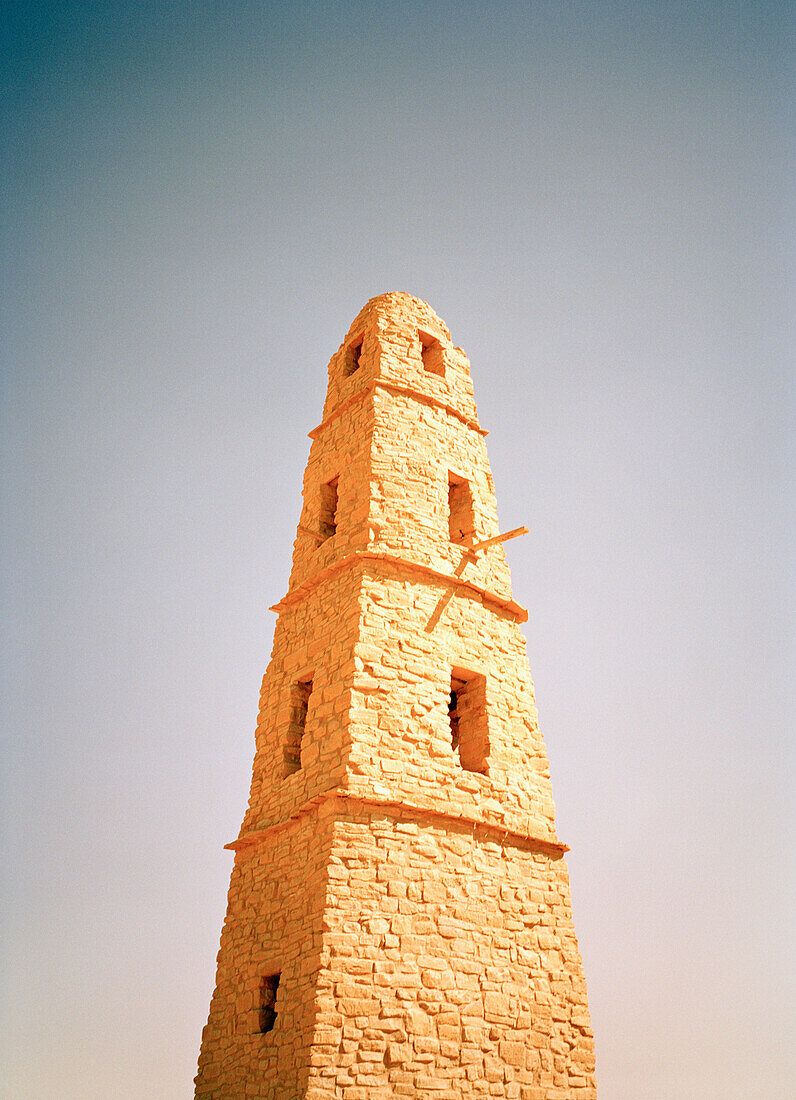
column 515, row 533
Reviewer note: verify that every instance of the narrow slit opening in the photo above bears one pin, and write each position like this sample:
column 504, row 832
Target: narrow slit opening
column 461, row 520
column 268, row 991
column 353, row 356
column 468, row 720
column 299, row 705
column 431, row 354
column 453, row 712
column 328, row 509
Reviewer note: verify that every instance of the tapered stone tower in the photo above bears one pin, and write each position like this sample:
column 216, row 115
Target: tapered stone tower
column 399, row 920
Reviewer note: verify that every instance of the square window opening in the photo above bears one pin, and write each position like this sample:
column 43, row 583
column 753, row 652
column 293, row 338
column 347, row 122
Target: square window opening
column 468, row 720
column 299, row 705
column 328, row 509
column 353, row 356
column 461, row 520
column 432, row 354
column 267, row 1015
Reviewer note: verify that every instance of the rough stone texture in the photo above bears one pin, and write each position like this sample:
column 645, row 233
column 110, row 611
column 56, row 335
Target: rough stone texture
column 417, row 911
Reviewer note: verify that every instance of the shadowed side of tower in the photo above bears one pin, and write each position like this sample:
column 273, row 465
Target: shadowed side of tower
column 399, row 919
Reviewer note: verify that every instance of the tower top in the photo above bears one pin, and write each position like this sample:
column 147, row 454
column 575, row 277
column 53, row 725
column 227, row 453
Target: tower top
column 401, row 302
column 397, row 342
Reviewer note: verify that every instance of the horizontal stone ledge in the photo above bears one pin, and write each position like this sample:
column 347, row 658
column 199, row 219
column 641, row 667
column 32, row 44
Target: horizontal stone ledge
column 511, row 607
column 494, row 831
column 432, row 813
column 401, row 391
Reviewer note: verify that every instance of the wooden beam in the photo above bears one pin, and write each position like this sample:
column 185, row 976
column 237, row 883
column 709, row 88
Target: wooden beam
column 515, row 533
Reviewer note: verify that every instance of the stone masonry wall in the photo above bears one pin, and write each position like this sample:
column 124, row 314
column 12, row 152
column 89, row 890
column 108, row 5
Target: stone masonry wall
column 450, row 967
column 409, row 490
column 315, row 637
column 341, row 450
column 398, row 720
column 274, row 925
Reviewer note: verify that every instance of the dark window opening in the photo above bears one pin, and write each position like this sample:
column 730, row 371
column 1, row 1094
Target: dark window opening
column 461, row 521
column 468, row 720
column 432, row 354
column 328, row 521
column 299, row 704
column 352, row 357
column 453, row 713
column 268, row 989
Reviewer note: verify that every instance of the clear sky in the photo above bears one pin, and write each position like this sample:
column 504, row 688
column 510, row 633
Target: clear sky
column 197, row 198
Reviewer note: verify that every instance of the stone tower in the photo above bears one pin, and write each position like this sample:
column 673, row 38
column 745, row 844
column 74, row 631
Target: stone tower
column 399, row 920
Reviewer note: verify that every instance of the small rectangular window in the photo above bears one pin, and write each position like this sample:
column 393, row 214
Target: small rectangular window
column 268, row 989
column 299, row 704
column 328, row 518
column 432, row 354
column 468, row 719
column 461, row 521
column 353, row 354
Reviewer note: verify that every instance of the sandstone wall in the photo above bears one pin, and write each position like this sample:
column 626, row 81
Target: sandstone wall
column 449, row 967
column 273, row 926
column 314, row 639
column 398, row 721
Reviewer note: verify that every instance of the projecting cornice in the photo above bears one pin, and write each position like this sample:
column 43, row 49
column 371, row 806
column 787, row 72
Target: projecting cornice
column 400, row 391
column 426, row 572
column 353, row 800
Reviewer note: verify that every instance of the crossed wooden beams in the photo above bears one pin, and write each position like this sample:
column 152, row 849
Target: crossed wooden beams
column 470, row 554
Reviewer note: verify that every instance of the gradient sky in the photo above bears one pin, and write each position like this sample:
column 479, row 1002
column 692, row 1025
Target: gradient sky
column 197, row 198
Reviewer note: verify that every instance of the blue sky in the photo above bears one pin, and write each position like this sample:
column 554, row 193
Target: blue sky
column 196, row 201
